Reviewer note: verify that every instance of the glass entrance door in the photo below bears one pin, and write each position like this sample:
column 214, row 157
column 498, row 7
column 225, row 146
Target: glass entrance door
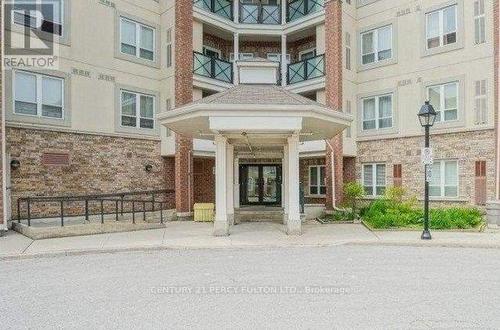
column 260, row 184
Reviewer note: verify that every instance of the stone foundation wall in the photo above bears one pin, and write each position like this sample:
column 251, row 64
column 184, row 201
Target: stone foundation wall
column 92, row 164
column 467, row 148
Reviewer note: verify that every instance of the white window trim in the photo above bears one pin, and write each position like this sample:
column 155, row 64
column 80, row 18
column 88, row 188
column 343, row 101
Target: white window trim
column 375, row 45
column 318, row 184
column 215, row 50
column 442, row 184
column 305, row 51
column 39, row 95
column 138, row 39
column 480, row 97
column 377, row 111
column 62, row 13
column 374, row 178
column 441, row 26
column 138, row 110
column 442, row 100
column 478, row 18
column 241, row 56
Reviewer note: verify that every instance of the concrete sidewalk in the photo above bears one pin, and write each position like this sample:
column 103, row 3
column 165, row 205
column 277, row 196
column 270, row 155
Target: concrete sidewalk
column 192, row 235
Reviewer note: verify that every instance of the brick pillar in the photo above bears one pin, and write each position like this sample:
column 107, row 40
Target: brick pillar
column 333, row 93
column 183, row 95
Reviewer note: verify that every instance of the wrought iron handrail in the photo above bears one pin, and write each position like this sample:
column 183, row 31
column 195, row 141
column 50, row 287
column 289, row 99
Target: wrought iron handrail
column 299, row 8
column 223, row 8
column 119, row 199
column 310, row 68
column 212, row 67
column 260, row 14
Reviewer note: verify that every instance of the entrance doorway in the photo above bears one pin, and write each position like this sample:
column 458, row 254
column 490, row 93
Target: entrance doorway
column 260, row 184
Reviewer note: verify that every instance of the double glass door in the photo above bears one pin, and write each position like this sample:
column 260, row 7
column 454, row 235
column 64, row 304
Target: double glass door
column 260, row 184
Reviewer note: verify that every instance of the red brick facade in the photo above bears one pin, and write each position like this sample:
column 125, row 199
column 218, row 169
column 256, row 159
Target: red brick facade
column 349, row 169
column 333, row 91
column 204, row 180
column 183, row 95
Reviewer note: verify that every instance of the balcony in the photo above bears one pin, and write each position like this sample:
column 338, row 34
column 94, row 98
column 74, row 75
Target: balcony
column 212, row 67
column 223, row 8
column 307, row 69
column 297, row 9
column 260, row 14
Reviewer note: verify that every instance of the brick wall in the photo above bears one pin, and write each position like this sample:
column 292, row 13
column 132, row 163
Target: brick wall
column 467, row 148
column 204, row 180
column 225, row 46
column 183, row 95
column 349, row 169
column 97, row 164
column 295, row 47
column 333, row 91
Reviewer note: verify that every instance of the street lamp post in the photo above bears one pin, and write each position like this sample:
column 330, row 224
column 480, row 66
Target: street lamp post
column 427, row 116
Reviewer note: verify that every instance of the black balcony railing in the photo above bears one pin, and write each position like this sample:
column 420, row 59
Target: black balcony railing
column 310, row 68
column 299, row 8
column 223, row 8
column 212, row 67
column 260, row 14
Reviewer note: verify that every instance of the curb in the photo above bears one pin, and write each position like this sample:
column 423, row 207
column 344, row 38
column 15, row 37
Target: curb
column 153, row 248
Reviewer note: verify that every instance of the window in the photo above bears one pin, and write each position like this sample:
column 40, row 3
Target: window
column 52, row 15
column 480, row 103
column 479, row 22
column 444, row 99
column 242, row 56
column 444, row 181
column 441, row 27
column 137, row 110
column 169, row 48
column 137, row 39
column 307, row 54
column 38, row 95
column 212, row 52
column 374, row 179
column 376, row 45
column 276, row 57
column 317, row 180
column 377, row 112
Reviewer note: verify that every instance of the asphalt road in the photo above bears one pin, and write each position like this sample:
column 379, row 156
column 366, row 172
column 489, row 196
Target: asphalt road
column 340, row 287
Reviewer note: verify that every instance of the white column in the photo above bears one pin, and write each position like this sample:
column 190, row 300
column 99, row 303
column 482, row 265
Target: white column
column 236, row 190
column 236, row 11
column 293, row 225
column 283, row 11
column 229, row 183
column 283, row 60
column 236, row 47
column 285, row 184
column 221, row 224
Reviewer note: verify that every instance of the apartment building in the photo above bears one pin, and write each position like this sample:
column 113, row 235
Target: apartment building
column 99, row 122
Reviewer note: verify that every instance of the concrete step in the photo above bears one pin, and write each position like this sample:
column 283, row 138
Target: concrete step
column 259, row 216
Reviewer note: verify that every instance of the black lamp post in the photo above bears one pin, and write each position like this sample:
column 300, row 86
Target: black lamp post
column 426, row 116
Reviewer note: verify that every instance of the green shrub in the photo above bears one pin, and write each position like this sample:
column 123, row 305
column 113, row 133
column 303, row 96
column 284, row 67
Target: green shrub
column 394, row 211
column 353, row 191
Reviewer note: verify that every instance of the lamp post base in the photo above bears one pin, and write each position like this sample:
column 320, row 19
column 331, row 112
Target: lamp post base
column 426, row 235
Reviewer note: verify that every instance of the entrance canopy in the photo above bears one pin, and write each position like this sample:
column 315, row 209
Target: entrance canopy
column 256, row 116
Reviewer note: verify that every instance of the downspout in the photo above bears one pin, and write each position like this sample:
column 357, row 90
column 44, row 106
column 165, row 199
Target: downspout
column 332, row 161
